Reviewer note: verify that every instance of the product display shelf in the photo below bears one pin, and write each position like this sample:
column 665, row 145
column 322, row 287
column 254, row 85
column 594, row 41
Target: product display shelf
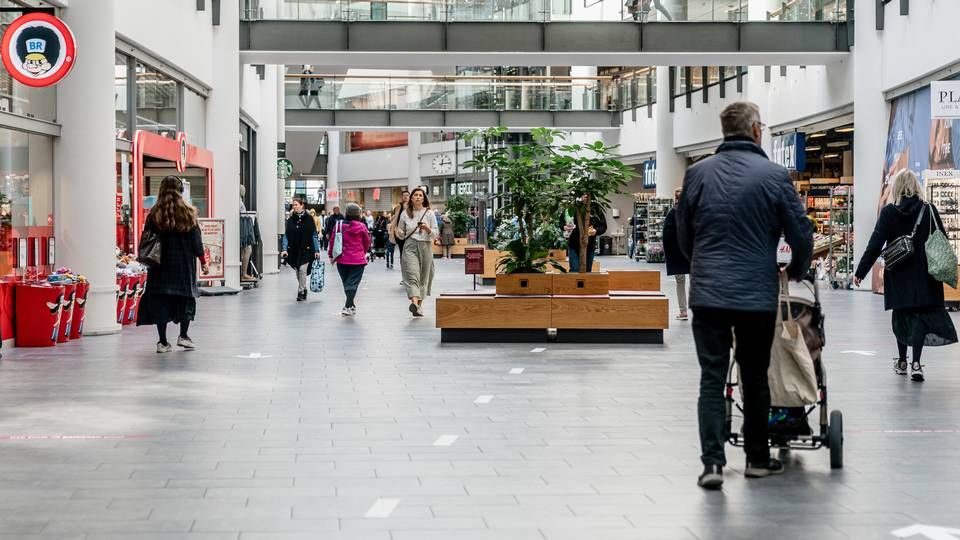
column 840, row 233
column 638, row 234
column 944, row 193
column 656, row 213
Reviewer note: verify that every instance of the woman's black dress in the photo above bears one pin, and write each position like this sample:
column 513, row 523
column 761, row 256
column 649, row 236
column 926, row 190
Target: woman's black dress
column 172, row 288
column 300, row 231
column 919, row 315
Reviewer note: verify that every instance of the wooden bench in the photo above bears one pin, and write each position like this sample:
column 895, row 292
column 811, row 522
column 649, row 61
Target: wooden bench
column 491, row 319
column 634, row 280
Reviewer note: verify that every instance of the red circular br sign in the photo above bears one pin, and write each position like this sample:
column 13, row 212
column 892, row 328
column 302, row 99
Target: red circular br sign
column 38, row 49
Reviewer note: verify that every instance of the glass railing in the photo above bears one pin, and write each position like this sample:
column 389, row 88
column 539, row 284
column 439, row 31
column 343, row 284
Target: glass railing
column 341, row 92
column 538, row 10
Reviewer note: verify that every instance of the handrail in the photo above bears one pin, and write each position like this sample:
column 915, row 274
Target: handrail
column 454, row 77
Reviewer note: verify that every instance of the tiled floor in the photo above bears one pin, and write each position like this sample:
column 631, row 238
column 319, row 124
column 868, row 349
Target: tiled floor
column 370, row 429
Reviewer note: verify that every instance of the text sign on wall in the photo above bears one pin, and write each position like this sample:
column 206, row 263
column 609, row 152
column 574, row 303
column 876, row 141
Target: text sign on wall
column 945, row 99
column 650, row 174
column 38, row 49
column 789, row 150
column 212, row 233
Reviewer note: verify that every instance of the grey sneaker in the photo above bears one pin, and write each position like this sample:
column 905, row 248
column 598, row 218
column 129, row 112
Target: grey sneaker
column 164, row 348
column 762, row 470
column 185, row 342
column 711, row 478
column 916, row 372
column 346, row 312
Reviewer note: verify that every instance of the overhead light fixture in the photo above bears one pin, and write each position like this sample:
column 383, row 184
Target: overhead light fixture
column 829, row 156
column 848, row 129
column 817, row 135
column 812, row 149
column 838, row 144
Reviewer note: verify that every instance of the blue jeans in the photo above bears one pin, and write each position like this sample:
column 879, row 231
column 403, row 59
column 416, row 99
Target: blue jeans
column 573, row 255
column 388, row 254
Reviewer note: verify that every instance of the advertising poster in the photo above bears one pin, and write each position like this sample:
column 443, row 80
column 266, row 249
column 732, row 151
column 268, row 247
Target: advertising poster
column 212, row 233
column 372, row 140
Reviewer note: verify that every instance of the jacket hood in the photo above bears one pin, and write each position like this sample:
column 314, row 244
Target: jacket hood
column 909, row 205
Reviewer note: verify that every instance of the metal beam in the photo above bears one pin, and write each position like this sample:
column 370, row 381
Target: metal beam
column 427, row 120
column 904, row 7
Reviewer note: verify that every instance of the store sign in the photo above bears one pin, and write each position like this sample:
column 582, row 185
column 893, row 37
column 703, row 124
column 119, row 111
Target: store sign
column 473, row 260
column 212, row 234
column 38, row 49
column 182, row 155
column 650, row 174
column 945, row 100
column 284, row 168
column 333, row 195
column 376, row 194
column 789, row 150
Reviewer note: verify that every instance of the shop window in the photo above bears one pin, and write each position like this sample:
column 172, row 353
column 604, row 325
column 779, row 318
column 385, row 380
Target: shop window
column 18, row 98
column 195, row 117
column 121, row 95
column 26, row 191
column 156, row 104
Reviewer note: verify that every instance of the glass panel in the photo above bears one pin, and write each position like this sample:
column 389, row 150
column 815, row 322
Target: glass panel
column 120, row 95
column 156, row 101
column 194, row 117
column 18, row 98
column 26, row 191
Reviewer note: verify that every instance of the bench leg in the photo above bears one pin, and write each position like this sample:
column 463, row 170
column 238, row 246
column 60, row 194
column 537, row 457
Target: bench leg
column 487, row 335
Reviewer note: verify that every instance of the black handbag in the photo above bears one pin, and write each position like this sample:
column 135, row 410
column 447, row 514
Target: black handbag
column 149, row 251
column 902, row 248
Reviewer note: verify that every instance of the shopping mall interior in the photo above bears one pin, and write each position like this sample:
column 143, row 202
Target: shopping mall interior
column 464, row 364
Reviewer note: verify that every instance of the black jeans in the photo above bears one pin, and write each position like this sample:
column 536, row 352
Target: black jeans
column 713, row 332
column 350, row 274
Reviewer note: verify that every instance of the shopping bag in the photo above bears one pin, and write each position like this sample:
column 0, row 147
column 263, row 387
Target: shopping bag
column 941, row 259
column 337, row 242
column 317, row 275
column 791, row 377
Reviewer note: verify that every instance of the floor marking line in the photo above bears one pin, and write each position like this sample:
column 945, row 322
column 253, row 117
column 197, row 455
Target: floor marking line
column 382, row 508
column 538, row 350
column 861, row 353
column 254, row 355
column 483, row 399
column 446, row 440
column 516, row 371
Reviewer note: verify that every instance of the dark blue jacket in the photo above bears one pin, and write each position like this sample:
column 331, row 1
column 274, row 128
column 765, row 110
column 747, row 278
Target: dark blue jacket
column 735, row 206
column 677, row 263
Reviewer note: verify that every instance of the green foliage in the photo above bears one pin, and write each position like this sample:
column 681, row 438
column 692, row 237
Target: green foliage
column 457, row 209
column 551, row 235
column 532, row 257
column 506, row 232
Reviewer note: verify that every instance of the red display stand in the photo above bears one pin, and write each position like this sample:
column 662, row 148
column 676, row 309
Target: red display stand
column 66, row 314
column 123, row 282
column 38, row 309
column 79, row 310
column 133, row 299
column 140, row 292
column 6, row 309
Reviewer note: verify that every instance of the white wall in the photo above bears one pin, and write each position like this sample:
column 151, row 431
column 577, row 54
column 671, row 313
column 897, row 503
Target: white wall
column 383, row 164
column 636, row 137
column 172, row 30
column 920, row 43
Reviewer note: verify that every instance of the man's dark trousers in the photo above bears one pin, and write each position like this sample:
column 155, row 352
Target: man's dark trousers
column 713, row 332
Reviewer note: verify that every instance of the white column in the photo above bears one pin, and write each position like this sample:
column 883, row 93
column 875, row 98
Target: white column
column 413, row 160
column 223, row 132
column 268, row 203
column 85, row 157
column 333, row 165
column 281, row 115
column 670, row 165
column 870, row 117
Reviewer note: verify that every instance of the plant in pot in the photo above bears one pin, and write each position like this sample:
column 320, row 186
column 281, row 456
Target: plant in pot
column 458, row 210
column 588, row 174
column 530, row 193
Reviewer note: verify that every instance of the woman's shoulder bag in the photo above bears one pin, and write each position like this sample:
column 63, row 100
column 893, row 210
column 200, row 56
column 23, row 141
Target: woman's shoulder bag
column 941, row 259
column 149, row 250
column 902, row 248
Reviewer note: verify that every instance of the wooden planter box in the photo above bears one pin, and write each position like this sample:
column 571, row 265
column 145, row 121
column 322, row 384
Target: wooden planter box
column 575, row 283
column 525, row 284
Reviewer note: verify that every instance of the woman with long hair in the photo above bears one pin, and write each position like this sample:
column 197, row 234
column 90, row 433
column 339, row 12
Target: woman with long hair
column 300, row 244
column 916, row 299
column 417, row 227
column 353, row 259
column 172, row 288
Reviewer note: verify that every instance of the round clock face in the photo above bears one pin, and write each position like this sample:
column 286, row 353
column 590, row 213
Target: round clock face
column 442, row 164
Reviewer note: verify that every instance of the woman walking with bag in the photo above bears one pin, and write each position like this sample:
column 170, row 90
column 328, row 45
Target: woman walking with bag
column 172, row 290
column 916, row 298
column 417, row 227
column 353, row 257
column 301, row 245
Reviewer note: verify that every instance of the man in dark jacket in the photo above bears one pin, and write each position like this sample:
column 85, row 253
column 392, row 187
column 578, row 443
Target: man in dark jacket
column 734, row 208
column 598, row 226
column 331, row 223
column 677, row 263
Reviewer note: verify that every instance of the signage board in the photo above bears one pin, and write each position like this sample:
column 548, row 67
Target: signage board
column 333, row 195
column 945, row 100
column 650, row 174
column 212, row 234
column 38, row 49
column 789, row 150
column 473, row 260
column 284, row 168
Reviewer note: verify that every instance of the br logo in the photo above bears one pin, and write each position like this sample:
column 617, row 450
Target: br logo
column 38, row 49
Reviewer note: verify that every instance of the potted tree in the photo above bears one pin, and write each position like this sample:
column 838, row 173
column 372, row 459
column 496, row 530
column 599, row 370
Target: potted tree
column 530, row 194
column 458, row 208
column 588, row 174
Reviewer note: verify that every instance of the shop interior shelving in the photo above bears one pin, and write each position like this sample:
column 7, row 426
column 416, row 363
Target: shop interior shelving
column 656, row 213
column 840, row 232
column 944, row 193
column 638, row 232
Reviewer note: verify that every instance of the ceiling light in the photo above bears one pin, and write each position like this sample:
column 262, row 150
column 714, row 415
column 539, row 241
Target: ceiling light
column 816, row 135
column 838, row 144
column 828, row 156
column 812, row 149
column 848, row 129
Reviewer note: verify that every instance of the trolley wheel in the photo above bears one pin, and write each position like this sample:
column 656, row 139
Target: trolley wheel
column 835, row 436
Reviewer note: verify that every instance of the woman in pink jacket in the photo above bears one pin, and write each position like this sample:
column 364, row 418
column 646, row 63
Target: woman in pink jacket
column 353, row 258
